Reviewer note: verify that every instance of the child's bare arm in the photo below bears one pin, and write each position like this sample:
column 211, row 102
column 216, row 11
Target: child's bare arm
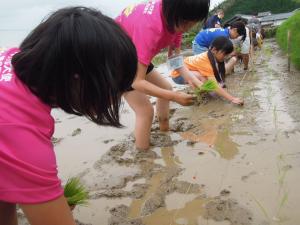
column 222, row 92
column 142, row 85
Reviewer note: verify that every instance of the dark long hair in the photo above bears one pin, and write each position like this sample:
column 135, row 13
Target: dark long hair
column 222, row 44
column 241, row 29
column 79, row 60
column 179, row 11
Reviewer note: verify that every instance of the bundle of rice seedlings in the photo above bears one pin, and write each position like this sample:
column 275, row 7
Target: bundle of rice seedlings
column 75, row 192
column 208, row 86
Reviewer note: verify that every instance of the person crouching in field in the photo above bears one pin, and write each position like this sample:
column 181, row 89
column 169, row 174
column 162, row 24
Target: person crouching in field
column 210, row 65
column 204, row 38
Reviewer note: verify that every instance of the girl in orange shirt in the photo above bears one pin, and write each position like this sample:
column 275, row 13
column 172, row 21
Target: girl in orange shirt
column 210, row 65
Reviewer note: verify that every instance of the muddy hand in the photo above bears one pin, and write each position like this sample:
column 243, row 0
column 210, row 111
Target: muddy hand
column 184, row 99
column 237, row 101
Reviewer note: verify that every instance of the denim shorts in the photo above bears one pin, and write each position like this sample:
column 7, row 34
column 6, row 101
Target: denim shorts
column 179, row 80
column 197, row 49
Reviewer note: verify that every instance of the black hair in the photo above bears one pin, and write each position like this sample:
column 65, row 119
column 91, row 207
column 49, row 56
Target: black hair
column 178, row 11
column 79, row 60
column 241, row 30
column 222, row 44
column 219, row 11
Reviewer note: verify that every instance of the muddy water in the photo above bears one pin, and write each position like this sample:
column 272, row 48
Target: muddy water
column 221, row 164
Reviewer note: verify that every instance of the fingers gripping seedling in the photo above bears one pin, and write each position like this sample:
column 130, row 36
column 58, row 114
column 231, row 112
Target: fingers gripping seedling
column 208, row 86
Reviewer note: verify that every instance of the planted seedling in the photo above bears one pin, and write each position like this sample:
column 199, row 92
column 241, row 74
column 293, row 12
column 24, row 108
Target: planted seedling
column 75, row 193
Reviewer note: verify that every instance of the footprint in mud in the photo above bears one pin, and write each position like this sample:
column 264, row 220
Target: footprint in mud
column 227, row 210
column 119, row 216
column 162, row 140
column 182, row 125
column 138, row 191
column 76, row 132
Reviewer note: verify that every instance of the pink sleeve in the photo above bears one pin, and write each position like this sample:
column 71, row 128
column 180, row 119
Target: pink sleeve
column 178, row 40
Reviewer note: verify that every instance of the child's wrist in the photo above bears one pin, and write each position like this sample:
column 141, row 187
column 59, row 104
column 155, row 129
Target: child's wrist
column 170, row 95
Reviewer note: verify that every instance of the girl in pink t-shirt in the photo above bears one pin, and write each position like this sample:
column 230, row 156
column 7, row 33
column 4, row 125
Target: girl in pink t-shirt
column 69, row 63
column 153, row 26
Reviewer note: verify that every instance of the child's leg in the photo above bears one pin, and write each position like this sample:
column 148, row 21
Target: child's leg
column 56, row 212
column 198, row 75
column 144, row 112
column 8, row 215
column 162, row 105
column 230, row 65
column 246, row 61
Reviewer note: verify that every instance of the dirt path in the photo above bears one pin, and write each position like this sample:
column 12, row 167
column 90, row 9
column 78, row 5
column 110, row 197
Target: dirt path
column 220, row 165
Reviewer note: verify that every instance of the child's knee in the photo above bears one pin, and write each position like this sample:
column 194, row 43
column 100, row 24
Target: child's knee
column 167, row 86
column 147, row 111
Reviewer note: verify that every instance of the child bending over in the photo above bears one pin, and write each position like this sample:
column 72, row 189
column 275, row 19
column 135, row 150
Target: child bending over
column 210, row 65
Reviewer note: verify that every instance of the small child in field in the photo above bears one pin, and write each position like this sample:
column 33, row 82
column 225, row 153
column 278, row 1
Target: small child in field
column 152, row 26
column 204, row 38
column 210, row 65
column 66, row 62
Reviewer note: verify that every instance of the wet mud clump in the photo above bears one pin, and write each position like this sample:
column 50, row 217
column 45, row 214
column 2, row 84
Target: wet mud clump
column 162, row 140
column 227, row 210
column 138, row 191
column 182, row 125
column 119, row 216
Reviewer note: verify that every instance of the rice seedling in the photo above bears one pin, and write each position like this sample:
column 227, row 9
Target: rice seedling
column 283, row 201
column 75, row 192
column 207, row 86
column 262, row 208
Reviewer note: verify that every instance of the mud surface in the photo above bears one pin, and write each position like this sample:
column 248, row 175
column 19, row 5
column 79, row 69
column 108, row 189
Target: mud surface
column 220, row 164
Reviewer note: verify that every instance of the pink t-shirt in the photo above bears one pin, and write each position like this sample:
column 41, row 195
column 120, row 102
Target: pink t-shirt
column 27, row 161
column 146, row 26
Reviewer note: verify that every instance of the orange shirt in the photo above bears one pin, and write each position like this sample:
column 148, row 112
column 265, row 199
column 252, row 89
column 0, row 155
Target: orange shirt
column 199, row 63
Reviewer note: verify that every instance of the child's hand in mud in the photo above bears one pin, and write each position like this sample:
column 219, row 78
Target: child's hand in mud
column 237, row 101
column 184, row 99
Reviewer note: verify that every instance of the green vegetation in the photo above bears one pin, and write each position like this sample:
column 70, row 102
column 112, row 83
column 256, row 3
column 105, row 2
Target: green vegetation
column 208, row 86
column 232, row 7
column 292, row 24
column 75, row 192
column 160, row 58
column 270, row 32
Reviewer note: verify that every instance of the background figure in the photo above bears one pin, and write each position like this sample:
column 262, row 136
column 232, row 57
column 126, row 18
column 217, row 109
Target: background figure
column 204, row 38
column 214, row 21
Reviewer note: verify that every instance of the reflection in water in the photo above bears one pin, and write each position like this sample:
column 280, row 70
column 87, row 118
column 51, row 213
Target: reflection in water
column 225, row 146
column 219, row 139
column 154, row 182
column 190, row 213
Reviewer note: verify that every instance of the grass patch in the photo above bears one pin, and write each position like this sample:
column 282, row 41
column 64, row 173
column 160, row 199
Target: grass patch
column 160, row 58
column 292, row 24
